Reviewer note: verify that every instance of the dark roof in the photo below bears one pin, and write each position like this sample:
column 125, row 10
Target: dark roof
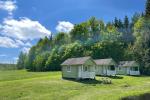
column 76, row 61
column 128, row 63
column 108, row 61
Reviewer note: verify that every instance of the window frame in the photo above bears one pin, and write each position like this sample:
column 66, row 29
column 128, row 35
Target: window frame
column 85, row 67
column 112, row 67
column 120, row 68
column 68, row 68
column 134, row 69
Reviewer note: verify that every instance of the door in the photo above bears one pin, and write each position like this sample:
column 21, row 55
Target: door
column 128, row 70
column 79, row 71
column 104, row 70
column 101, row 70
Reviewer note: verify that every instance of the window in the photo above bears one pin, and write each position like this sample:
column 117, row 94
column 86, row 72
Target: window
column 85, row 68
column 68, row 69
column 120, row 68
column 112, row 67
column 134, row 68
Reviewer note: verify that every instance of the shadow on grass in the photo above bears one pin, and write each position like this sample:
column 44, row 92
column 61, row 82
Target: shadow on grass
column 85, row 81
column 145, row 96
column 113, row 77
column 138, row 76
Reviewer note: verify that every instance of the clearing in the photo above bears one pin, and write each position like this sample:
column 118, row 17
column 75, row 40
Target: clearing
column 25, row 85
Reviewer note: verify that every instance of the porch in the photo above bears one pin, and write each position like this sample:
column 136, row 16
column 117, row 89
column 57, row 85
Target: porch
column 87, row 72
column 134, row 70
column 88, row 75
column 111, row 72
column 134, row 73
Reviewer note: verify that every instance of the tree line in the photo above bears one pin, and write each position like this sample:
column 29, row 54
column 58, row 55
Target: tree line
column 119, row 39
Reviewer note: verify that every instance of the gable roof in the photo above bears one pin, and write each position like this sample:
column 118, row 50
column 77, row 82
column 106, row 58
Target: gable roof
column 75, row 61
column 128, row 63
column 108, row 61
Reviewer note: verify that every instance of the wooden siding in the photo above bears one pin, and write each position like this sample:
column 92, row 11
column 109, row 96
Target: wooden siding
column 78, row 73
column 104, row 70
column 127, row 71
column 90, row 62
column 72, row 74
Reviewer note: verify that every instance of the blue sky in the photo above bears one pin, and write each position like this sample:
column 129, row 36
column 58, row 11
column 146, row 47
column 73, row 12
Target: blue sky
column 23, row 22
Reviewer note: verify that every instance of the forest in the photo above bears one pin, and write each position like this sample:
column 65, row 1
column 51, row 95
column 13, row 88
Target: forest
column 120, row 39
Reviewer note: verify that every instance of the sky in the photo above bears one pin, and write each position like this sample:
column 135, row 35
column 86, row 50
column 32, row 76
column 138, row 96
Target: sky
column 24, row 22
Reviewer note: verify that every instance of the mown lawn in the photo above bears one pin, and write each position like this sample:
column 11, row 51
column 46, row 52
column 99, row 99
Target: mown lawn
column 23, row 85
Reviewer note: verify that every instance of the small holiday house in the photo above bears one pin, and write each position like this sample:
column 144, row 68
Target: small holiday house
column 128, row 68
column 79, row 68
column 105, row 67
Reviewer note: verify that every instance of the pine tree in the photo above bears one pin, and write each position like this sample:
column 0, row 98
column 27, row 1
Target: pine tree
column 120, row 24
column 21, row 61
column 147, row 11
column 116, row 22
column 126, row 22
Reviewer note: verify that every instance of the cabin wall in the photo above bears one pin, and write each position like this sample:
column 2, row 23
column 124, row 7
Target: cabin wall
column 121, row 71
column 133, row 71
column 127, row 71
column 101, row 70
column 72, row 74
column 90, row 64
column 104, row 70
column 111, row 70
column 89, row 68
column 86, row 71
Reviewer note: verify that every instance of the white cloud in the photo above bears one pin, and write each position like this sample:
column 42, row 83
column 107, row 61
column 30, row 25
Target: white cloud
column 21, row 43
column 25, row 49
column 24, row 29
column 28, row 44
column 18, row 33
column 8, row 5
column 7, row 42
column 64, row 26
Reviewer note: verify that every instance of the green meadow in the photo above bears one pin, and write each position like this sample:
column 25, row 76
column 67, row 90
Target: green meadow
column 23, row 85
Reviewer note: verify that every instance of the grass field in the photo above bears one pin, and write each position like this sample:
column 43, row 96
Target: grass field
column 8, row 67
column 23, row 85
